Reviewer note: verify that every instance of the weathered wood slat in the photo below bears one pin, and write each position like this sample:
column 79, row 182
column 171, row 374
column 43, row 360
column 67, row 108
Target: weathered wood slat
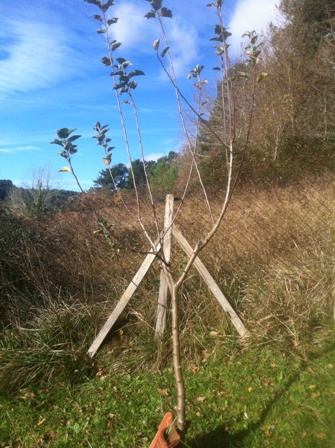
column 236, row 321
column 163, row 285
column 123, row 302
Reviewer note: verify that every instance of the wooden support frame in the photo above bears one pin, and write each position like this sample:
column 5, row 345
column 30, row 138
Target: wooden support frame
column 211, row 283
column 163, row 284
column 149, row 259
column 170, row 230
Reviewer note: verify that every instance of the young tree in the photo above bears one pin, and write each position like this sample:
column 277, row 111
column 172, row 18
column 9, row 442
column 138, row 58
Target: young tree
column 123, row 76
column 36, row 198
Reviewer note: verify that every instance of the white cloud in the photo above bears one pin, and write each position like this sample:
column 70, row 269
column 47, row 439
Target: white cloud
column 184, row 43
column 132, row 29
column 19, row 149
column 154, row 156
column 250, row 15
column 36, row 56
column 137, row 34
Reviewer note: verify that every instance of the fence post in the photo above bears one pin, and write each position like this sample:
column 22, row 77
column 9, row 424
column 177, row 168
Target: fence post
column 166, row 251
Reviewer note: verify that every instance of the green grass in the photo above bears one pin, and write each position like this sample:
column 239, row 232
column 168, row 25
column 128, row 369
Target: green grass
column 254, row 398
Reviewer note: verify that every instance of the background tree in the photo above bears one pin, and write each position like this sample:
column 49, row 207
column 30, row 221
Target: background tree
column 164, row 173
column 37, row 197
column 293, row 125
column 5, row 187
column 120, row 174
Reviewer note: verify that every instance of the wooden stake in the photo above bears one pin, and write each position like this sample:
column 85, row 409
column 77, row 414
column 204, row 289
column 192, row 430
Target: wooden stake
column 236, row 321
column 123, row 301
column 163, row 285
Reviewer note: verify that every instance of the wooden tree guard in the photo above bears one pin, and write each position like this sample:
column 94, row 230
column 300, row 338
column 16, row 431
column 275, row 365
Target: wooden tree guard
column 149, row 259
column 169, row 230
column 163, row 285
column 209, row 280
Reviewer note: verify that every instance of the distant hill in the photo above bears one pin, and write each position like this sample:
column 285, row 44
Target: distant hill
column 55, row 196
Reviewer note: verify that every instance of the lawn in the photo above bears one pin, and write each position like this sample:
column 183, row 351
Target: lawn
column 255, row 397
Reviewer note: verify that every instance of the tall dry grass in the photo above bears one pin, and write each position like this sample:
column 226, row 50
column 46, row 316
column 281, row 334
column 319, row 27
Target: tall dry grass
column 273, row 257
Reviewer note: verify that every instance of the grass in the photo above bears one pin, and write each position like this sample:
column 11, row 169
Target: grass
column 58, row 285
column 255, row 398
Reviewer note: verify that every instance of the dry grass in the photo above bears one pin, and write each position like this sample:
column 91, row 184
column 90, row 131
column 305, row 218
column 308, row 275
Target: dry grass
column 273, row 257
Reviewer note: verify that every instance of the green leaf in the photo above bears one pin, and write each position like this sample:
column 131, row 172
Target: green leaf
column 96, row 17
column 112, row 21
column 133, row 85
column 123, row 62
column 64, row 132
column 156, row 44
column 150, row 15
column 220, row 50
column 118, row 73
column 106, row 6
column 216, row 68
column 57, row 142
column 124, row 78
column 165, row 12
column 66, row 169
column 115, row 45
column 69, row 146
column 163, row 53
column 218, row 29
column 156, row 4
column 101, row 31
column 120, row 60
column 126, row 64
column 93, row 2
column 135, row 73
column 119, row 86
column 111, row 148
column 106, row 61
column 73, row 138
column 217, row 39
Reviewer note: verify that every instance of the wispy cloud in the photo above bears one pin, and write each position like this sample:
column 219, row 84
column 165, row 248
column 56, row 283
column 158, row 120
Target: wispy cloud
column 137, row 33
column 250, row 15
column 14, row 149
column 34, row 55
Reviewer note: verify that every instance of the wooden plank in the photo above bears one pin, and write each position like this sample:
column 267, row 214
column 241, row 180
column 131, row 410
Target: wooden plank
column 163, row 285
column 236, row 321
column 123, row 302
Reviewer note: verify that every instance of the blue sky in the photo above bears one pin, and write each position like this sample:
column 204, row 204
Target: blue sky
column 51, row 76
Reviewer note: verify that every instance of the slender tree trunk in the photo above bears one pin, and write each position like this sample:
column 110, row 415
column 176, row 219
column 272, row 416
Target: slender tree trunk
column 177, row 361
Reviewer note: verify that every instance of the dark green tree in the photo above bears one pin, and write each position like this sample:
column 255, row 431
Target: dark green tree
column 5, row 187
column 139, row 174
column 165, row 173
column 120, row 175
